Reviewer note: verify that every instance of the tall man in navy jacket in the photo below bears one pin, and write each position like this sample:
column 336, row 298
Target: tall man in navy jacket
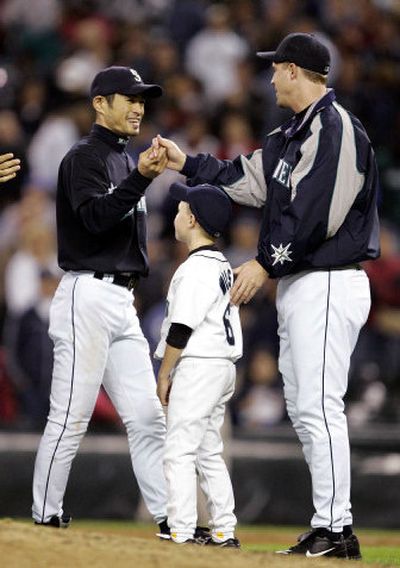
column 316, row 179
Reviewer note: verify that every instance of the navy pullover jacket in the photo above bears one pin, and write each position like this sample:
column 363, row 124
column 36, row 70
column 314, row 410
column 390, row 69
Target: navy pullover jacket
column 101, row 209
column 317, row 180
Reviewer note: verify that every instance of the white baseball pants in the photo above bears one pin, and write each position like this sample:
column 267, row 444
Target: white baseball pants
column 199, row 393
column 98, row 340
column 320, row 315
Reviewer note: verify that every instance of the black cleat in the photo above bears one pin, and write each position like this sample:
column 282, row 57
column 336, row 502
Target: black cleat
column 304, row 542
column 228, row 543
column 202, row 535
column 62, row 522
column 165, row 533
column 316, row 543
column 352, row 547
column 326, row 546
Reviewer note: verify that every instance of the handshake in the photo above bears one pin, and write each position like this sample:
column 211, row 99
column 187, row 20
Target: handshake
column 162, row 153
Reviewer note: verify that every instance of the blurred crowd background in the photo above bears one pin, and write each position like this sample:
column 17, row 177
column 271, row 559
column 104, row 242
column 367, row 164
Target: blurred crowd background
column 217, row 99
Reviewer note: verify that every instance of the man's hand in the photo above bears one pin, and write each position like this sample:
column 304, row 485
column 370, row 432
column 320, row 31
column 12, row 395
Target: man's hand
column 163, row 388
column 250, row 276
column 8, row 167
column 151, row 166
column 176, row 158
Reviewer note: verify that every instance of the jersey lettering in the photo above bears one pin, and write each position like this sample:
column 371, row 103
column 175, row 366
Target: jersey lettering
column 225, row 281
column 282, row 173
column 228, row 327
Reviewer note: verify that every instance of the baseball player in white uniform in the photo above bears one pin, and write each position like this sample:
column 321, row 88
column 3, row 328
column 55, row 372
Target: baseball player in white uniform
column 201, row 339
column 101, row 229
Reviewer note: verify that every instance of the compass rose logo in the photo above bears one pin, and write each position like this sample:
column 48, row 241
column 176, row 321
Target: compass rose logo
column 281, row 254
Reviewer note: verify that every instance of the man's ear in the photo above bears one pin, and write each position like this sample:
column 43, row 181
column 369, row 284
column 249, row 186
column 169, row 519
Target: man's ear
column 293, row 70
column 99, row 103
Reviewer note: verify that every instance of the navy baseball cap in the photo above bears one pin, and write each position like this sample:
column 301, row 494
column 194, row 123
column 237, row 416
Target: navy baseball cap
column 208, row 203
column 122, row 80
column 305, row 50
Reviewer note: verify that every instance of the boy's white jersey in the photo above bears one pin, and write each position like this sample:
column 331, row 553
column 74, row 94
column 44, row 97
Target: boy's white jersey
column 199, row 297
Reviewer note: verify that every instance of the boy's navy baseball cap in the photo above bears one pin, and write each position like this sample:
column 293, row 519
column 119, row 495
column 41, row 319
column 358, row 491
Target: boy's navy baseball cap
column 302, row 49
column 124, row 81
column 208, row 203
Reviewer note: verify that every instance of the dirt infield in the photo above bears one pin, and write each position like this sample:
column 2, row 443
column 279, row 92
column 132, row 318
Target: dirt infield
column 23, row 545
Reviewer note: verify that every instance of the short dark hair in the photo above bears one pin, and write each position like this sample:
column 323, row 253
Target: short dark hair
column 109, row 99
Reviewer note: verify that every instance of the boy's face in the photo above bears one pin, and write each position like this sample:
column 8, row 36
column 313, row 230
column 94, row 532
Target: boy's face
column 184, row 221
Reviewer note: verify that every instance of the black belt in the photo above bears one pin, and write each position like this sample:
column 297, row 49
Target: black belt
column 129, row 281
column 354, row 266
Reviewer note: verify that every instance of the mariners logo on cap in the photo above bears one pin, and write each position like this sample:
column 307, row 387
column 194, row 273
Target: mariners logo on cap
column 136, row 75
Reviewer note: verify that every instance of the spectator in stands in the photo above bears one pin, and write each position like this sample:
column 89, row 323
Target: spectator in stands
column 12, row 141
column 213, row 54
column 243, row 237
column 37, row 250
column 260, row 403
column 56, row 134
column 377, row 361
column 34, row 352
column 23, row 288
column 236, row 136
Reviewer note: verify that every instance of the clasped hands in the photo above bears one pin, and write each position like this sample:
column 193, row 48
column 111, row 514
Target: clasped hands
column 163, row 153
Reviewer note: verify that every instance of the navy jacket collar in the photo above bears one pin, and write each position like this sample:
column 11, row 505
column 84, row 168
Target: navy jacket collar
column 299, row 120
column 114, row 140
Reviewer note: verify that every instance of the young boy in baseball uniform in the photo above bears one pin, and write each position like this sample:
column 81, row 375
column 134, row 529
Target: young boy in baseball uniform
column 201, row 339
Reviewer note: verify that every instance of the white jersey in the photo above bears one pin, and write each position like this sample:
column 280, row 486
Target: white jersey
column 198, row 297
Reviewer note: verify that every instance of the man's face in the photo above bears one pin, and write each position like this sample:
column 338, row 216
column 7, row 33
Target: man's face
column 124, row 114
column 283, row 84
